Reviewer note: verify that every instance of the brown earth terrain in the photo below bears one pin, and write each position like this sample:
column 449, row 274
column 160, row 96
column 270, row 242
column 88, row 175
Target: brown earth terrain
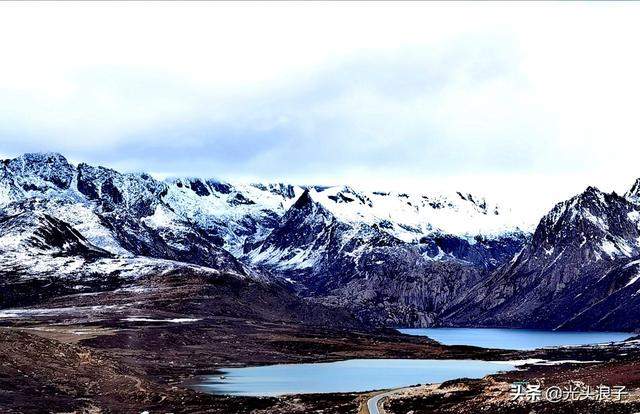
column 142, row 350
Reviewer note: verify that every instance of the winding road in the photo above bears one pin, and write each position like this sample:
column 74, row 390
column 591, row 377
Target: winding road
column 372, row 403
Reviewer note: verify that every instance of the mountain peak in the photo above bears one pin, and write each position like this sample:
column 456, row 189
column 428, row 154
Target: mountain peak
column 40, row 171
column 592, row 220
column 591, row 197
column 41, row 157
column 634, row 192
column 592, row 190
column 303, row 201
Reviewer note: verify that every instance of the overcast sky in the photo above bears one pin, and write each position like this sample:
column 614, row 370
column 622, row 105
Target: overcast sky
column 526, row 103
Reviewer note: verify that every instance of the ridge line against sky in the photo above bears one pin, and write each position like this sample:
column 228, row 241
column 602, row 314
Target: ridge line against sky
column 526, row 104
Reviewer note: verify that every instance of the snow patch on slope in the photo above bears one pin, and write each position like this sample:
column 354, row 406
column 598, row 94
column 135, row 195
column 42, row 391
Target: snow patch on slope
column 411, row 216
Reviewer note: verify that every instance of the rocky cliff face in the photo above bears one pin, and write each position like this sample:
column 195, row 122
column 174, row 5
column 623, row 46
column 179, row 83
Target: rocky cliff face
column 578, row 271
column 381, row 278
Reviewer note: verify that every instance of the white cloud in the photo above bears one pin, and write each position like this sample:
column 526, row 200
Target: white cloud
column 483, row 97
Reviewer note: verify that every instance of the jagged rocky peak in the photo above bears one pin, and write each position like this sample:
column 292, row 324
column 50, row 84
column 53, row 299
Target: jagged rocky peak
column 280, row 189
column 303, row 201
column 307, row 209
column 92, row 180
column 300, row 238
column 577, row 269
column 591, row 207
column 331, row 203
column 592, row 220
column 634, row 193
column 138, row 192
column 199, row 187
column 39, row 171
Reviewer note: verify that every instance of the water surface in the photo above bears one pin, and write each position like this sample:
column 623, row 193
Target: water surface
column 355, row 375
column 519, row 339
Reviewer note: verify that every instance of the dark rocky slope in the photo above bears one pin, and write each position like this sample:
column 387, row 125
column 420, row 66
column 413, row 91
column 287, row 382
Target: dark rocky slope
column 578, row 272
column 380, row 278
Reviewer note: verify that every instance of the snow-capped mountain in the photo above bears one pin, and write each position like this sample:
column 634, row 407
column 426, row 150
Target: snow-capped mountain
column 44, row 257
column 443, row 226
column 104, row 241
column 322, row 240
column 384, row 280
column 390, row 258
column 578, row 271
column 409, row 217
column 120, row 213
column 236, row 217
column 244, row 214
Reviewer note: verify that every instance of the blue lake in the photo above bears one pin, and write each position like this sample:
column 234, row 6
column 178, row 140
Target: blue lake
column 358, row 375
column 519, row 339
column 355, row 375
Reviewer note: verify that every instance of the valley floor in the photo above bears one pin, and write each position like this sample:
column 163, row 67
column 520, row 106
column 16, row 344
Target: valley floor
column 88, row 362
column 114, row 365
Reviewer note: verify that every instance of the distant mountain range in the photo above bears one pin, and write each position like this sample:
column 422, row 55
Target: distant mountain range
column 389, row 258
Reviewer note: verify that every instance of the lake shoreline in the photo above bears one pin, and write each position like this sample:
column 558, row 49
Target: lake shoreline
column 348, row 376
column 153, row 363
column 515, row 339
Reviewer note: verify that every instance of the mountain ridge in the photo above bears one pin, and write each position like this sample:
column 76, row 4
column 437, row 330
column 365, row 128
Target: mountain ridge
column 390, row 258
column 583, row 254
column 234, row 227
